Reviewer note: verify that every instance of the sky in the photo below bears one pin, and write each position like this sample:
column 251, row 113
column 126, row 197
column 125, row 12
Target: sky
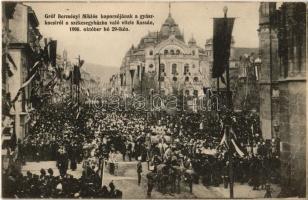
column 108, row 48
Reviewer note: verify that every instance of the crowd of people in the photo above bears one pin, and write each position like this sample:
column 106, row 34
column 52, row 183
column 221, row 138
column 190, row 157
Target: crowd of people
column 190, row 142
column 47, row 185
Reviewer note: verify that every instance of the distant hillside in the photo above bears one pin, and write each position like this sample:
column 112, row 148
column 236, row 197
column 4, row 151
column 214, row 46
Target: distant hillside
column 101, row 71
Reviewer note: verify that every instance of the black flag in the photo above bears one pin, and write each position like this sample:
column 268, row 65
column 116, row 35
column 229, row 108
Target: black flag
column 53, row 52
column 221, row 44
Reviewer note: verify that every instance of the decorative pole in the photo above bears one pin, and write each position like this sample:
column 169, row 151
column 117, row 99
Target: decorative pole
column 228, row 117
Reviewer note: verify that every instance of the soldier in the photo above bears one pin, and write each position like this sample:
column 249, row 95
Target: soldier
column 139, row 171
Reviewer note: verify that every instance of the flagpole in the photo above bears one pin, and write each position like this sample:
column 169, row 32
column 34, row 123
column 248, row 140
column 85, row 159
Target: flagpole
column 217, row 86
column 78, row 85
column 159, row 73
column 229, row 105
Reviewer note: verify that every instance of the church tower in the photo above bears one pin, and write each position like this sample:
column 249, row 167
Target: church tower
column 268, row 45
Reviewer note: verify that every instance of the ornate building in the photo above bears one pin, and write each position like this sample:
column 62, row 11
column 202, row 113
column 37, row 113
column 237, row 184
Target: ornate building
column 184, row 67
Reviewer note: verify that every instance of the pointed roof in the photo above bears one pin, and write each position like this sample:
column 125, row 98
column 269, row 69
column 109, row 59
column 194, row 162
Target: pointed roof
column 192, row 41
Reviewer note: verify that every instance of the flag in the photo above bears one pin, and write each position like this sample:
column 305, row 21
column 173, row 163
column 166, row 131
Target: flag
column 76, row 75
column 221, row 44
column 237, row 149
column 50, row 84
column 11, row 62
column 23, row 86
column 223, row 139
column 52, row 52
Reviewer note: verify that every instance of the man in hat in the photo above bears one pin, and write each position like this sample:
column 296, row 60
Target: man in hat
column 62, row 162
column 151, row 179
column 139, row 171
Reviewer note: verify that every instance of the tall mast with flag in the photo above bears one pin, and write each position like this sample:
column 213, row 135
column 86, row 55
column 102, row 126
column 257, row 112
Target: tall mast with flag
column 222, row 37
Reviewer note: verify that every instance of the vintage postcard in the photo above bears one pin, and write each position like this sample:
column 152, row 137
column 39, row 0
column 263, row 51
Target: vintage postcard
column 153, row 100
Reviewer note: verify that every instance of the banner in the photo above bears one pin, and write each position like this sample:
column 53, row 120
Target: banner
column 23, row 86
column 53, row 52
column 221, row 44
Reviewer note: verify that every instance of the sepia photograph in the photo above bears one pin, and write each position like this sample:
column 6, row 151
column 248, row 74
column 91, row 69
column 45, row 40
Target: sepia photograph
column 153, row 100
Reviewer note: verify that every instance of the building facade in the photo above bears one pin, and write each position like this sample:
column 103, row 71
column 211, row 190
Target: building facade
column 23, row 48
column 282, row 36
column 184, row 67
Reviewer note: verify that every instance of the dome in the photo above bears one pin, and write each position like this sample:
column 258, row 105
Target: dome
column 169, row 20
column 169, row 27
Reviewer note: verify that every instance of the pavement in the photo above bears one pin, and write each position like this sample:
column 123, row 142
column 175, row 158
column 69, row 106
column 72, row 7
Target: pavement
column 126, row 180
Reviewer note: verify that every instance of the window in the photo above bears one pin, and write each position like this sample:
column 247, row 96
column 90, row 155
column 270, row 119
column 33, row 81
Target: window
column 151, row 53
column 151, row 66
column 162, row 69
column 195, row 93
column 178, row 52
column 186, row 68
column 187, row 92
column 175, row 79
column 172, row 52
column 196, row 79
column 166, row 52
column 193, row 52
column 174, row 69
column 186, row 79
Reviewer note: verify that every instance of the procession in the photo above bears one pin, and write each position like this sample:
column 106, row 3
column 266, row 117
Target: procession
column 178, row 152
column 172, row 119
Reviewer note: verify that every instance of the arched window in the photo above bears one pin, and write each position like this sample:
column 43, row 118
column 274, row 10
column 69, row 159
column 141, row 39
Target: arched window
column 172, row 52
column 166, row 52
column 186, row 69
column 193, row 52
column 178, row 52
column 195, row 93
column 174, row 69
column 186, row 79
column 151, row 66
column 151, row 53
column 196, row 79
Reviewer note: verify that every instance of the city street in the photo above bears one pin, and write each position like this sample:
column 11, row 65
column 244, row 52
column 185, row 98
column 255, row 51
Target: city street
column 126, row 181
